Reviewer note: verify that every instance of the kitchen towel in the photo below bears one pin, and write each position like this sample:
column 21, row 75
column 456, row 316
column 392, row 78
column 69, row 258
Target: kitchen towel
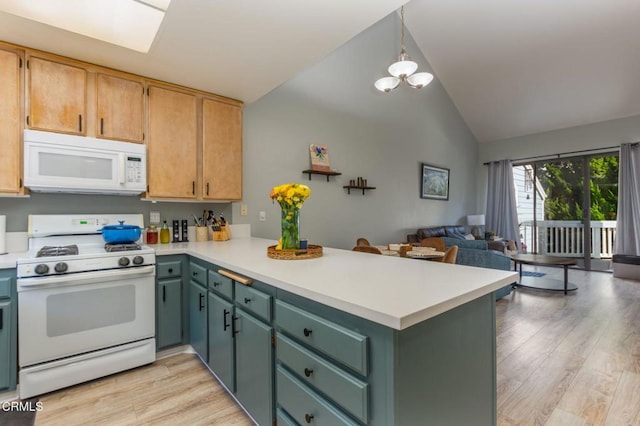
column 3, row 234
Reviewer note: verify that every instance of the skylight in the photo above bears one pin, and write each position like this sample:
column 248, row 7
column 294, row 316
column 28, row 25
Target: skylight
column 128, row 23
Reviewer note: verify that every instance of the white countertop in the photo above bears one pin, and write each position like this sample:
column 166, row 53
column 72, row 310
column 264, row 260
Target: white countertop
column 392, row 291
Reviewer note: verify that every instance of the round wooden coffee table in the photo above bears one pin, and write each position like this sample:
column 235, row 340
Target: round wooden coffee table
column 544, row 260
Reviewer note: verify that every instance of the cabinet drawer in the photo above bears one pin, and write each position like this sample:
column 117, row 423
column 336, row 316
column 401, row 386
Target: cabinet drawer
column 254, row 301
column 342, row 344
column 198, row 273
column 169, row 269
column 284, row 419
column 347, row 391
column 5, row 287
column 221, row 285
column 304, row 405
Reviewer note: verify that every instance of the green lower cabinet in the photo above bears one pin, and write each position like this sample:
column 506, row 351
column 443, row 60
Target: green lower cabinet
column 5, row 345
column 254, row 366
column 8, row 330
column 221, row 347
column 198, row 319
column 169, row 312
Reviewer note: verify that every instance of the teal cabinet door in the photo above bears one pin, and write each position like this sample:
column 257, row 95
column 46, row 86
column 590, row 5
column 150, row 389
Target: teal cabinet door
column 254, row 366
column 198, row 319
column 6, row 369
column 169, row 312
column 221, row 348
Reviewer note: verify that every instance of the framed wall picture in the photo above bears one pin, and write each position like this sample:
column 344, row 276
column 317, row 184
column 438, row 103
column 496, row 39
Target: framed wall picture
column 435, row 182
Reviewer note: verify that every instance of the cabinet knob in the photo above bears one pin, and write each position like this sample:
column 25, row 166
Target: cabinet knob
column 246, row 300
column 307, row 332
column 308, row 372
column 216, row 283
column 171, row 270
column 308, row 418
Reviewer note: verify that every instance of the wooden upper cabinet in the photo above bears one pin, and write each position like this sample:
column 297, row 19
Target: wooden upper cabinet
column 120, row 106
column 56, row 96
column 172, row 144
column 222, row 150
column 10, row 128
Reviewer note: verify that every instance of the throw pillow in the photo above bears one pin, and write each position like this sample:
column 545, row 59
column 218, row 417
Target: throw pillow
column 469, row 237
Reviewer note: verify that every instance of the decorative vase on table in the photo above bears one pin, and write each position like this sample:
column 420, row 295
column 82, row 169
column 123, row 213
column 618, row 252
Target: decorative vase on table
column 290, row 196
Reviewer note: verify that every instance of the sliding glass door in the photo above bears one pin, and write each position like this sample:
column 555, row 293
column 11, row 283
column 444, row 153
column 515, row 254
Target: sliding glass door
column 567, row 207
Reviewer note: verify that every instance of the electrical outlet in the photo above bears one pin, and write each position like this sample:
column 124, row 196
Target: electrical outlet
column 154, row 217
column 263, row 216
column 243, row 210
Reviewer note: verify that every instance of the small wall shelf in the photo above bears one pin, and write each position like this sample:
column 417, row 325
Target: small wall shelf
column 364, row 188
column 318, row 172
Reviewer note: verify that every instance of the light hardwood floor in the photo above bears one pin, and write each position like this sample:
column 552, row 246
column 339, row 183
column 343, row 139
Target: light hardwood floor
column 570, row 360
column 562, row 360
column 173, row 391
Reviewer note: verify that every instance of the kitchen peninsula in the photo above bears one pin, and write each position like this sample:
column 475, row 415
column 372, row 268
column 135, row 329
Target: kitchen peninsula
column 351, row 338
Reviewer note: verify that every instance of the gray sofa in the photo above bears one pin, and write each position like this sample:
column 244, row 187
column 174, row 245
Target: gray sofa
column 470, row 252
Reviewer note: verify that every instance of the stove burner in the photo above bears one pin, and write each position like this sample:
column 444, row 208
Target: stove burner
column 57, row 251
column 122, row 247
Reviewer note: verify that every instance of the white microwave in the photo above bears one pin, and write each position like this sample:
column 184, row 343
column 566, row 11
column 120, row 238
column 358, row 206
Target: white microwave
column 56, row 162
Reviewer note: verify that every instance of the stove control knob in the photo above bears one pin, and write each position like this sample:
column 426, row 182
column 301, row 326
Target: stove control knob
column 123, row 261
column 138, row 260
column 41, row 269
column 61, row 267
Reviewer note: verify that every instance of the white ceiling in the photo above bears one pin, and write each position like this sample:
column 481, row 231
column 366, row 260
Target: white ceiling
column 511, row 67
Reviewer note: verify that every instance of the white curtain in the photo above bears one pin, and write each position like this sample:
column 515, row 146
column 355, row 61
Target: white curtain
column 502, row 216
column 628, row 223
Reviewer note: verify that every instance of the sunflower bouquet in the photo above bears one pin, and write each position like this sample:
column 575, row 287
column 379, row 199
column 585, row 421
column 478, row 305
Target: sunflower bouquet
column 290, row 196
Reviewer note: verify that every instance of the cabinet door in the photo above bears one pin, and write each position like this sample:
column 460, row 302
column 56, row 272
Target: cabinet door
column 221, row 350
column 169, row 308
column 222, row 151
column 10, row 137
column 172, row 144
column 198, row 319
column 119, row 108
column 57, row 96
column 6, row 369
column 254, row 367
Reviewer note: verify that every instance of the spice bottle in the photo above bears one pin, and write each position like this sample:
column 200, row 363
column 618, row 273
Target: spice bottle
column 152, row 235
column 165, row 233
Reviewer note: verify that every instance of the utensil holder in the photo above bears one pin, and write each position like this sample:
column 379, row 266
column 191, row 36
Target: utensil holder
column 202, row 233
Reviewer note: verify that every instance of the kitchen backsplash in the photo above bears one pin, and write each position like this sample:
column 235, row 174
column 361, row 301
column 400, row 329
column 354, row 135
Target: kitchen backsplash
column 18, row 208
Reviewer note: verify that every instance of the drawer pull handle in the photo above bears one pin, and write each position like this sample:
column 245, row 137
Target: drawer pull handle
column 216, row 283
column 308, row 418
column 224, row 320
column 308, row 372
column 246, row 300
column 307, row 332
column 236, row 277
column 171, row 270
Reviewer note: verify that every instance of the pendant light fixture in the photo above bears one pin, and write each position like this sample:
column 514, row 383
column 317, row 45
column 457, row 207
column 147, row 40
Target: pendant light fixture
column 403, row 70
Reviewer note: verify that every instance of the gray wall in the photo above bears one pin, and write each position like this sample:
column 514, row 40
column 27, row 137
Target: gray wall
column 592, row 136
column 17, row 209
column 381, row 137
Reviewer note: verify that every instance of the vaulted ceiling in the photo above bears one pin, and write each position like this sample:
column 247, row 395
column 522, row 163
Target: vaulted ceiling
column 511, row 68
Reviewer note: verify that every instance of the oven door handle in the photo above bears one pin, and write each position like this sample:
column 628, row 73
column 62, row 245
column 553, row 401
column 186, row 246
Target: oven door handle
column 87, row 277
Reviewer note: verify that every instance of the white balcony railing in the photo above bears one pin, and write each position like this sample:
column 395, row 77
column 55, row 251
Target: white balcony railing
column 565, row 237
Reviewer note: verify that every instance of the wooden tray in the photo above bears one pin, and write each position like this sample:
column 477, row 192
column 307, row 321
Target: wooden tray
column 311, row 252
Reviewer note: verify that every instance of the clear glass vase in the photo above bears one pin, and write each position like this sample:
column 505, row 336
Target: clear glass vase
column 290, row 229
